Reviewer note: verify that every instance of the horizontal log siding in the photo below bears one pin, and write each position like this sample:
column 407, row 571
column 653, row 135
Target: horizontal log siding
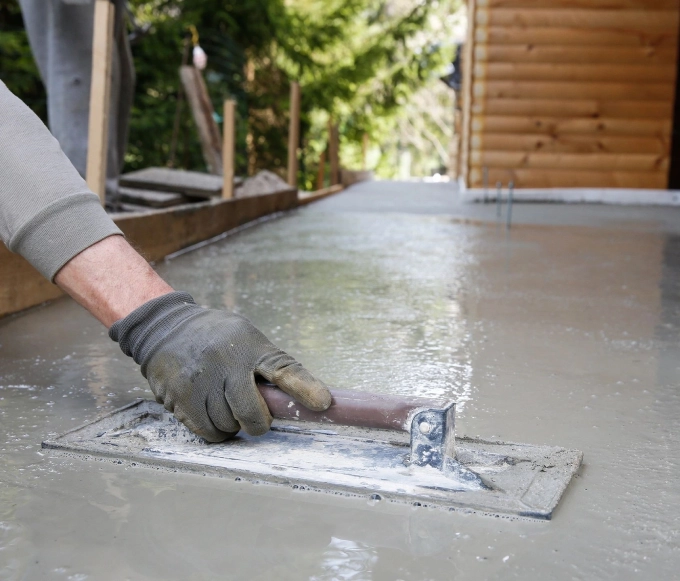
column 572, row 93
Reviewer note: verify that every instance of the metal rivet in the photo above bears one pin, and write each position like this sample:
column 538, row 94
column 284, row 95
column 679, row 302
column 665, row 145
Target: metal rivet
column 424, row 427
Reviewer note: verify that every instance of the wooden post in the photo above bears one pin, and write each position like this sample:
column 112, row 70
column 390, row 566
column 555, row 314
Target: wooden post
column 178, row 109
column 333, row 146
column 202, row 111
column 228, row 148
column 364, row 152
column 321, row 174
column 100, row 97
column 467, row 90
column 293, row 133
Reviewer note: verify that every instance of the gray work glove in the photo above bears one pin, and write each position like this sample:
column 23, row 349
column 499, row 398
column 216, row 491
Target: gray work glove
column 201, row 364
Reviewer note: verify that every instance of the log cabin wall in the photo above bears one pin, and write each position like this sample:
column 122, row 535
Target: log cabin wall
column 569, row 93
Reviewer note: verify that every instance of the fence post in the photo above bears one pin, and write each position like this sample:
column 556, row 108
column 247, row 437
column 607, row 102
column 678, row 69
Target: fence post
column 100, row 98
column 228, row 148
column 293, row 133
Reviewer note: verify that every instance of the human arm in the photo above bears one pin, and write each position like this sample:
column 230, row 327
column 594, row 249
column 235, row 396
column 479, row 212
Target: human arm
column 200, row 363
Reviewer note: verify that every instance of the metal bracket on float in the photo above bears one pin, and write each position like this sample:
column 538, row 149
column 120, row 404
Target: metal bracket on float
column 433, row 443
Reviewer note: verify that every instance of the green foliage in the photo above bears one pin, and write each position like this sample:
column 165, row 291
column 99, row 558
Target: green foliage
column 359, row 61
column 17, row 67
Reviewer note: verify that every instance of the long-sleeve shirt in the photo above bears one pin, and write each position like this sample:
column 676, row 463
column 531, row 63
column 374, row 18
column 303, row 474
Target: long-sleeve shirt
column 47, row 212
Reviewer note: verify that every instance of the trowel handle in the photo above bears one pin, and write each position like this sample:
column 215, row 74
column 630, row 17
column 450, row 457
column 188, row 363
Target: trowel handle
column 351, row 408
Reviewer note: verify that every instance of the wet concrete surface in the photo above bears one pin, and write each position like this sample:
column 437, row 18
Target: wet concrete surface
column 551, row 334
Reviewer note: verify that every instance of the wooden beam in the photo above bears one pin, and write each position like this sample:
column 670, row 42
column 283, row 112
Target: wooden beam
column 202, row 112
column 637, row 36
column 310, row 197
column 567, row 72
column 575, row 161
column 569, row 143
column 591, row 108
column 293, row 133
column 591, row 4
column 467, row 90
column 540, row 178
column 568, row 126
column 228, row 148
column 100, row 97
column 531, row 53
column 654, row 21
column 154, row 233
column 571, row 90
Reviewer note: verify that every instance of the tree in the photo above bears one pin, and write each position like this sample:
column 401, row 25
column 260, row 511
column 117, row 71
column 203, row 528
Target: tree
column 360, row 61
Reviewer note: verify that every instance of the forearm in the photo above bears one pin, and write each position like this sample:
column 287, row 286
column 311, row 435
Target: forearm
column 110, row 279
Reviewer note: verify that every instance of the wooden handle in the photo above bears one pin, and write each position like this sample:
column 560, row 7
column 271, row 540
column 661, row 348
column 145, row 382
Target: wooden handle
column 351, row 408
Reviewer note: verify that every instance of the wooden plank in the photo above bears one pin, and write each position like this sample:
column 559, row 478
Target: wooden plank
column 21, row 286
column 190, row 183
column 100, row 97
column 203, row 114
column 293, row 134
column 467, row 90
column 151, row 198
column 566, row 72
column 127, row 207
column 154, row 233
column 576, row 161
column 591, row 4
column 574, row 37
column 655, row 21
column 558, row 90
column 567, row 126
column 569, row 143
column 160, row 233
column 575, row 108
column 320, row 194
column 633, row 55
column 228, row 148
column 539, row 178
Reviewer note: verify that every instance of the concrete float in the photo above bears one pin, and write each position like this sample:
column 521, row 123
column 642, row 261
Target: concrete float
column 400, row 449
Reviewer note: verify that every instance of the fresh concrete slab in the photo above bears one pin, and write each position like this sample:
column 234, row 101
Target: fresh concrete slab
column 564, row 331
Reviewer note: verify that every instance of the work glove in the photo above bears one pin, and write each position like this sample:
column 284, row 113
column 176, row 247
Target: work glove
column 201, row 365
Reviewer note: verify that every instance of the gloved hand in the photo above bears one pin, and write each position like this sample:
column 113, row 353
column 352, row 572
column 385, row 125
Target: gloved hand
column 201, row 364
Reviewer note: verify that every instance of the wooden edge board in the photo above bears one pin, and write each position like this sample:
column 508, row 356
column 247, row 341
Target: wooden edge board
column 155, row 233
column 319, row 194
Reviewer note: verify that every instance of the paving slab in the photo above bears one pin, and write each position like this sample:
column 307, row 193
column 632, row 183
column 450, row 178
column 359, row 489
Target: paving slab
column 151, row 198
column 190, row 183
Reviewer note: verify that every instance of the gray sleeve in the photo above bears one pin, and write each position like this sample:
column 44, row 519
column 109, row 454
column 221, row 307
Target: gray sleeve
column 47, row 212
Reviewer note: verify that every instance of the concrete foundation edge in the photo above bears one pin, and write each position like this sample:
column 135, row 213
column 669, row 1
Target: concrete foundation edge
column 622, row 196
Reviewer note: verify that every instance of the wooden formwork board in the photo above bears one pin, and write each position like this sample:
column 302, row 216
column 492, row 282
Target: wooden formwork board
column 154, row 233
